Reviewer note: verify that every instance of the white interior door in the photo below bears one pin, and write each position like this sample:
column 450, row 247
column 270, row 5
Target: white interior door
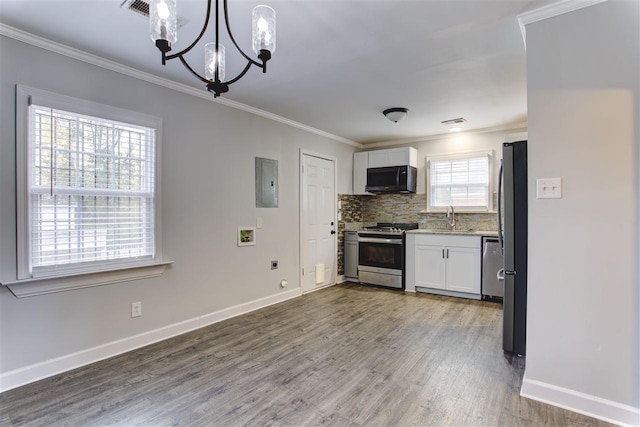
column 318, row 225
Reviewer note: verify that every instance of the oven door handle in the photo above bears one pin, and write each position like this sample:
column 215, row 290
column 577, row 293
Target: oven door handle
column 379, row 240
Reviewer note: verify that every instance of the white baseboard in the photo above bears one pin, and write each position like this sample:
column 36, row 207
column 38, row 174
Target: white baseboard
column 447, row 293
column 321, row 287
column 41, row 370
column 582, row 403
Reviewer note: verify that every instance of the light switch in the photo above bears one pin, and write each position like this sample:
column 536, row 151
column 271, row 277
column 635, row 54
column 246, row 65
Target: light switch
column 259, row 222
column 549, row 188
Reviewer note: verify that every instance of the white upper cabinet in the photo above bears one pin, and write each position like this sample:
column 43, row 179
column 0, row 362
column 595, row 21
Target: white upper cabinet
column 393, row 157
column 379, row 159
column 360, row 165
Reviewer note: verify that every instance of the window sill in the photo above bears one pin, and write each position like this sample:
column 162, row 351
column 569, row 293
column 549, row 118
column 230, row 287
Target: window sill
column 48, row 285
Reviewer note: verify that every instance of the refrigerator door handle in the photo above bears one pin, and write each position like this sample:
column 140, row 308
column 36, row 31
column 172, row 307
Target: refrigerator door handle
column 500, row 274
column 499, row 210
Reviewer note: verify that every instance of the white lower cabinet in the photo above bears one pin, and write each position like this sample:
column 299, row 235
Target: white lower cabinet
column 444, row 264
column 431, row 271
column 351, row 255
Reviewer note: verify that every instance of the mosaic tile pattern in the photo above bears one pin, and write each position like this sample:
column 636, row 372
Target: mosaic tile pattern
column 408, row 207
column 349, row 219
column 350, row 207
column 355, row 212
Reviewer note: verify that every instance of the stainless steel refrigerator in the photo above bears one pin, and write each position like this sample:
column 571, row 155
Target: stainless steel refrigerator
column 512, row 232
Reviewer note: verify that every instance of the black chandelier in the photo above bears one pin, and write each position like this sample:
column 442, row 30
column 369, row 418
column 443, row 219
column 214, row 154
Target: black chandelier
column 163, row 30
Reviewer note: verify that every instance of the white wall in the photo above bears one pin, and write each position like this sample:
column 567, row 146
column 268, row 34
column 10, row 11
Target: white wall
column 207, row 192
column 584, row 126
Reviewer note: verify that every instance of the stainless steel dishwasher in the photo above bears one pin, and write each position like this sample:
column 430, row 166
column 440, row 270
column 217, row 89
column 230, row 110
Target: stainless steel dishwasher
column 492, row 264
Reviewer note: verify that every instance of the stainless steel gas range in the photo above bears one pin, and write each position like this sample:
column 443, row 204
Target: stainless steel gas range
column 381, row 254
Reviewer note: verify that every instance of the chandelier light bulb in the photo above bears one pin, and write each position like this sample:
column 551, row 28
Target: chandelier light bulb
column 163, row 10
column 262, row 24
column 163, row 20
column 264, row 29
column 211, row 59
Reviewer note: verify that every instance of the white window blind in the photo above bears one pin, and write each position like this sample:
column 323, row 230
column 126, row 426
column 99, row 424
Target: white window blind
column 459, row 180
column 91, row 184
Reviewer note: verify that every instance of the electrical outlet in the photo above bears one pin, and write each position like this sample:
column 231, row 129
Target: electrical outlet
column 274, row 265
column 136, row 309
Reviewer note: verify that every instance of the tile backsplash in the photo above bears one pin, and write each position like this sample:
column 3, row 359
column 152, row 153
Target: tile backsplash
column 349, row 219
column 354, row 212
column 408, row 207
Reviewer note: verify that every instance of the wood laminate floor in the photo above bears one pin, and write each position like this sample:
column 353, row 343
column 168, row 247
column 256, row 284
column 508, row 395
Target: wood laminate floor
column 345, row 355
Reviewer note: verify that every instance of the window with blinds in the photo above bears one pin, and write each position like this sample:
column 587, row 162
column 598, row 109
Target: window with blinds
column 460, row 180
column 91, row 191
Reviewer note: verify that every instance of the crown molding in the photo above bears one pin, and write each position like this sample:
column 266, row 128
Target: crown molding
column 551, row 10
column 89, row 58
column 514, row 126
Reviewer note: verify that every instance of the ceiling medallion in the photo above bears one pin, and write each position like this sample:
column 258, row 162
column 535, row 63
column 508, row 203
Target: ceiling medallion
column 163, row 31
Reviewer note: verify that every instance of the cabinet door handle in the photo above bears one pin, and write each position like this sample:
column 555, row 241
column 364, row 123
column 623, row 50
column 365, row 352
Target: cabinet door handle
column 447, row 253
column 443, row 254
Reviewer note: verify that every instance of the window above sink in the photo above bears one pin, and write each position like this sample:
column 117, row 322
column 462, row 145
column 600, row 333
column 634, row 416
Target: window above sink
column 461, row 180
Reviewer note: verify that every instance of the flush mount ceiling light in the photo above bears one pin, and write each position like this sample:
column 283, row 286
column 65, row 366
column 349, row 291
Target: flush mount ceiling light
column 395, row 114
column 163, row 31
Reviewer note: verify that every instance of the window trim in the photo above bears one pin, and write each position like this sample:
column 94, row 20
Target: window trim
column 28, row 95
column 457, row 156
column 47, row 285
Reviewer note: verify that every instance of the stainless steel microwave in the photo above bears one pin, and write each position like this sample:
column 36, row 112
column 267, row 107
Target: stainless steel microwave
column 392, row 179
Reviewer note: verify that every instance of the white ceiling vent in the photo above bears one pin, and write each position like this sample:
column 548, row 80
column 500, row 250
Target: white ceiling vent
column 138, row 6
column 453, row 121
column 142, row 7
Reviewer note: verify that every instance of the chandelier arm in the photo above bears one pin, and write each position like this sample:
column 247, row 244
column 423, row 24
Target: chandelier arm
column 239, row 76
column 195, row 42
column 226, row 21
column 186, row 65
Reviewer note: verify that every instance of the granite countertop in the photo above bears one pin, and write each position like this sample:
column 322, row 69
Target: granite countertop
column 455, row 232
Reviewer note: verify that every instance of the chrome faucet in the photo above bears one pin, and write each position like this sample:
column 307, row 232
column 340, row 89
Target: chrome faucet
column 451, row 214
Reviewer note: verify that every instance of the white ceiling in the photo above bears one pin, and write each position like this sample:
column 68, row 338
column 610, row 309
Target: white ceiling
column 338, row 63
